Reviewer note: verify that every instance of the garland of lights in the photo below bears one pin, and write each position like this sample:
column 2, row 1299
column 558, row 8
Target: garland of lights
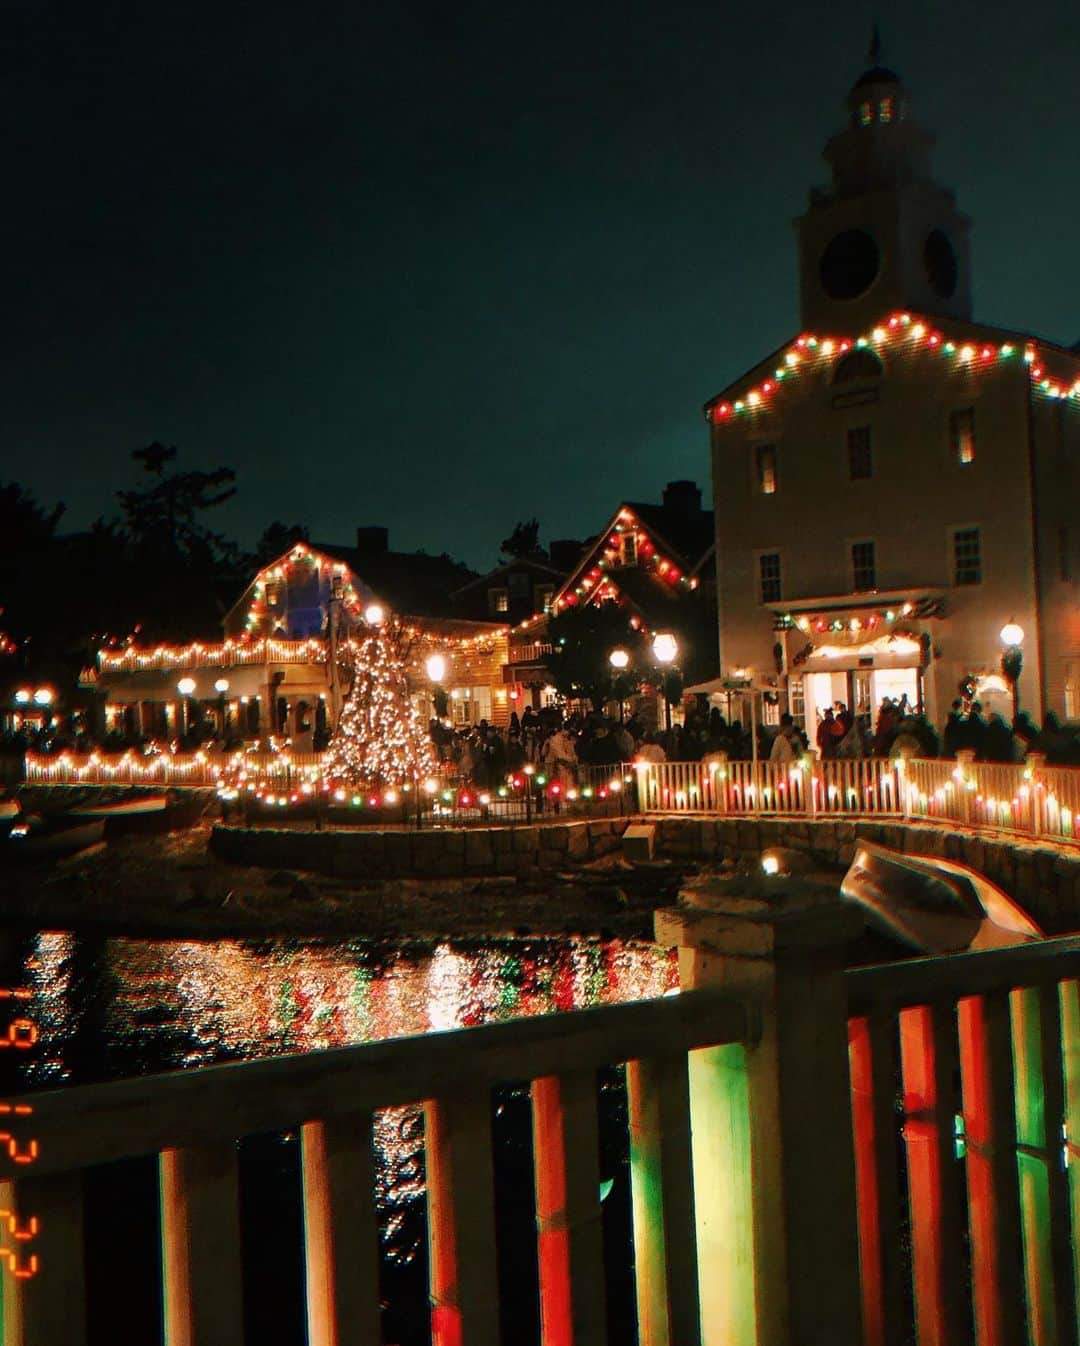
column 380, row 741
column 899, row 326
column 595, row 583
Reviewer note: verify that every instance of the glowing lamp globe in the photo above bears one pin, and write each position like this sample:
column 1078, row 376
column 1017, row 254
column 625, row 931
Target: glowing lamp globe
column 186, row 686
column 44, row 696
column 22, row 696
column 373, row 614
column 618, row 658
column 665, row 647
column 221, row 686
column 1012, row 635
column 436, row 668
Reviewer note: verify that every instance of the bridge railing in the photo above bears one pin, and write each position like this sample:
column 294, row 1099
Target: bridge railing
column 809, row 1147
column 192, row 1121
column 965, row 1076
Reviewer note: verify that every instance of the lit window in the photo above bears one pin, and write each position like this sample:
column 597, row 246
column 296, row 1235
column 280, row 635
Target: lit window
column 1072, row 693
column 765, row 457
column 866, row 114
column 863, row 566
column 967, row 556
column 885, row 110
column 628, row 545
column 769, row 577
column 797, row 701
column 498, row 600
column 962, row 434
column 860, row 453
column 543, row 599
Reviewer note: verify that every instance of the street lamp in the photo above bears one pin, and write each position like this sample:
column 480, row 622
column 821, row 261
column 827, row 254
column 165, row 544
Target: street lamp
column 373, row 614
column 186, row 687
column 221, row 687
column 665, row 647
column 44, row 696
column 619, row 659
column 1012, row 660
column 436, row 671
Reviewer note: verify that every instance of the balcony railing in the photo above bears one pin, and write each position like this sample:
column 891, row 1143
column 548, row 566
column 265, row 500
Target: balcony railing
column 221, row 654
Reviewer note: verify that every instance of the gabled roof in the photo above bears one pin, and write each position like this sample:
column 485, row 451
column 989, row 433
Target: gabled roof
column 1055, row 370
column 688, row 536
column 409, row 582
column 542, row 568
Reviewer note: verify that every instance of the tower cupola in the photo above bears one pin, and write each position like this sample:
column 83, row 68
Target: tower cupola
column 882, row 234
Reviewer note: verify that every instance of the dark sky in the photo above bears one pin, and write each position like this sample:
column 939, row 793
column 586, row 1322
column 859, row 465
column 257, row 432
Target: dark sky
column 446, row 266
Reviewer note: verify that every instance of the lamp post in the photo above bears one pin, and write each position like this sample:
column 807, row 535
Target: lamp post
column 619, row 659
column 1012, row 660
column 186, row 687
column 221, row 687
column 665, row 647
column 436, row 671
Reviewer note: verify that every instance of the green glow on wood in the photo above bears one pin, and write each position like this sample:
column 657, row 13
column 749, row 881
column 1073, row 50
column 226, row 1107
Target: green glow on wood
column 720, row 1112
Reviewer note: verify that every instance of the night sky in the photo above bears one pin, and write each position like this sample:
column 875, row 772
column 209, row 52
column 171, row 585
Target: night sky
column 444, row 267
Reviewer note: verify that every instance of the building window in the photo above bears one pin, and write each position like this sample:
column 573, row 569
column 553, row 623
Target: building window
column 498, row 600
column 765, row 460
column 885, row 110
column 769, row 577
column 962, row 434
column 860, row 454
column 967, row 556
column 1072, row 693
column 543, row 598
column 797, row 701
column 628, row 548
column 866, row 114
column 863, row 566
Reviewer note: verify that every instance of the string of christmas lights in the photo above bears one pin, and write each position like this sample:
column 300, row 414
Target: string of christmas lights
column 811, row 350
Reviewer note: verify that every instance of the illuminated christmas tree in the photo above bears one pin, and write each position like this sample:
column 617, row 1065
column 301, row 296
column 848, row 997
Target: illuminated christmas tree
column 380, row 740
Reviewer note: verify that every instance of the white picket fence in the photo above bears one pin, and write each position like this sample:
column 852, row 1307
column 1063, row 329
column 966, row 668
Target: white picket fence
column 1026, row 797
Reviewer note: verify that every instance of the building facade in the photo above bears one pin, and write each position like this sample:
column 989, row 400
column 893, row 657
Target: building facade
column 897, row 482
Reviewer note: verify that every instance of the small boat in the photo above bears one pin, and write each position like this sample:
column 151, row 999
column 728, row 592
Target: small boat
column 34, row 838
column 127, row 815
column 121, row 808
column 934, row 905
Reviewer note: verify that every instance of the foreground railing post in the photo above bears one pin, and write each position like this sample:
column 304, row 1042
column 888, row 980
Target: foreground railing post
column 774, row 1176
column 662, row 1191
column 340, row 1234
column 43, row 1294
column 570, row 1246
column 200, row 1236
column 461, row 1219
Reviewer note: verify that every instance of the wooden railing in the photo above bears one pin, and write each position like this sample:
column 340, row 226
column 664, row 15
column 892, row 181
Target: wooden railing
column 219, row 654
column 970, row 1066
column 880, row 1155
column 1027, row 797
column 192, row 1121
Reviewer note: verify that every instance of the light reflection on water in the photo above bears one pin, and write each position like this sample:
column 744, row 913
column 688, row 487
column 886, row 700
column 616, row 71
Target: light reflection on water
column 109, row 1008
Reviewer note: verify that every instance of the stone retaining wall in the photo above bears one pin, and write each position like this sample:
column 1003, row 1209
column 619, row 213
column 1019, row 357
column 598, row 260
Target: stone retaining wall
column 450, row 853
column 1043, row 877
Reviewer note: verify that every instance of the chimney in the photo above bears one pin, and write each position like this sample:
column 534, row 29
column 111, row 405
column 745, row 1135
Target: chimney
column 373, row 540
column 683, row 498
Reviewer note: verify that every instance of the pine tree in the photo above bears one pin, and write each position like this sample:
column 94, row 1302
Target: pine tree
column 380, row 740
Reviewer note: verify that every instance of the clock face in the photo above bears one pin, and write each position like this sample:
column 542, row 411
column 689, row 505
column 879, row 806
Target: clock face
column 940, row 262
column 849, row 264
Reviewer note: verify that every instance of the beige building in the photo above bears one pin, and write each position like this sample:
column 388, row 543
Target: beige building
column 897, row 482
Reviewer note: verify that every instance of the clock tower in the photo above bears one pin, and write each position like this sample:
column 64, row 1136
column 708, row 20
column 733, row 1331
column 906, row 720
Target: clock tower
column 883, row 234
